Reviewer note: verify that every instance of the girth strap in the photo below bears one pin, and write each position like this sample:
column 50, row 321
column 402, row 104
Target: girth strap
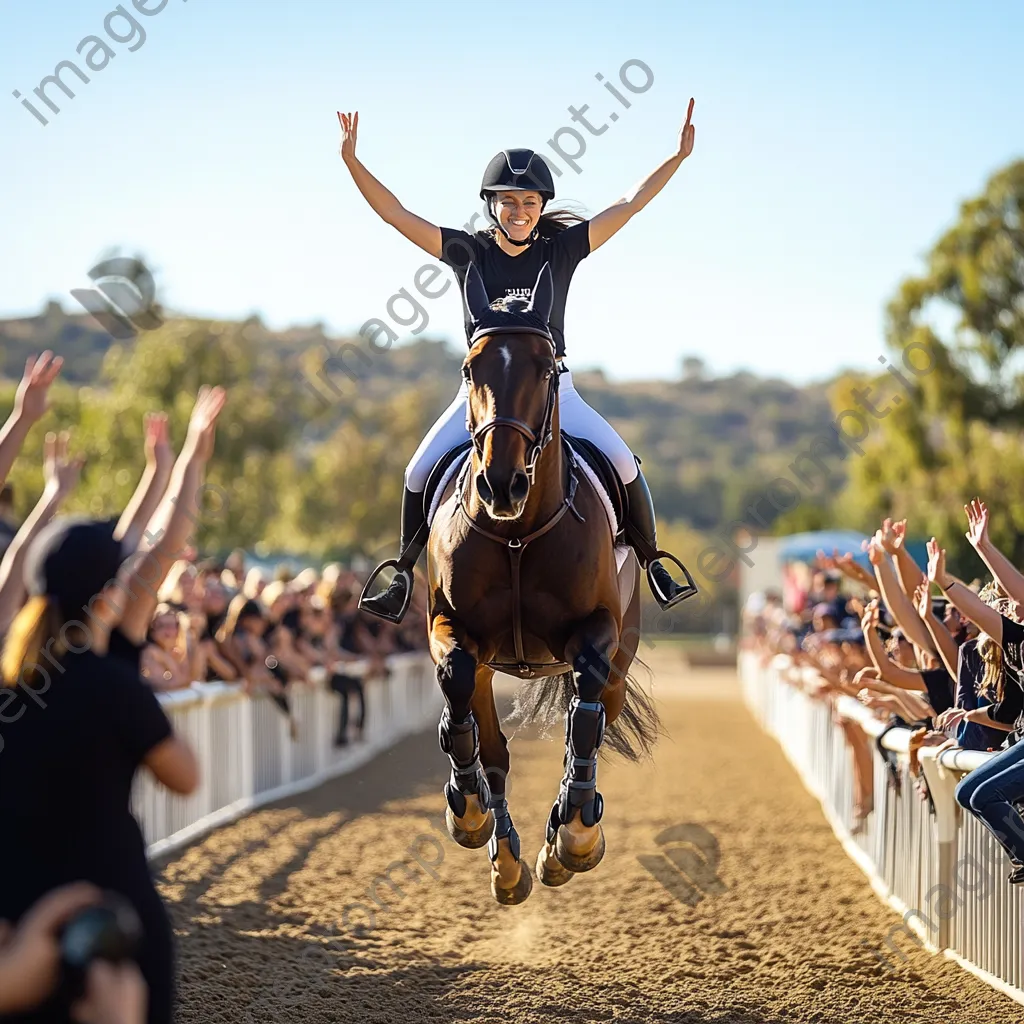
column 516, row 546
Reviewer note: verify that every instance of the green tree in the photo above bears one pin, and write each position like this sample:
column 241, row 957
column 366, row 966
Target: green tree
column 956, row 332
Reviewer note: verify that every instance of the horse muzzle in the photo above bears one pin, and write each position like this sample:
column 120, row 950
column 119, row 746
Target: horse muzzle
column 504, row 499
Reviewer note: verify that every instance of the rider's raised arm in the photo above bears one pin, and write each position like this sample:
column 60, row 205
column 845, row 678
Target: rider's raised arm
column 606, row 223
column 384, row 202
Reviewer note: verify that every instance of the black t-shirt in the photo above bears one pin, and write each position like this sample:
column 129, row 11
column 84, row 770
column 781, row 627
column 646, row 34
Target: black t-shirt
column 1010, row 710
column 70, row 753
column 939, row 684
column 347, row 638
column 506, row 276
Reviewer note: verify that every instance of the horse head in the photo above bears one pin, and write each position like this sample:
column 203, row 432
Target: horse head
column 512, row 375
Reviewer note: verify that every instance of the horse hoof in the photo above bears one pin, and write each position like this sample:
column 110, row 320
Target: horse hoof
column 578, row 862
column 471, row 839
column 549, row 871
column 518, row 893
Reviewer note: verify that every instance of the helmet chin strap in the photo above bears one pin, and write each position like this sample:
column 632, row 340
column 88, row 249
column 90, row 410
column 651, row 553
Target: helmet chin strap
column 496, row 221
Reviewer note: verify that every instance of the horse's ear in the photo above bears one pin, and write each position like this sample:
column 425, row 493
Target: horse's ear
column 475, row 294
column 543, row 297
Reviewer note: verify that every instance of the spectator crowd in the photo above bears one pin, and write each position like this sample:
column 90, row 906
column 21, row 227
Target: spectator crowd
column 921, row 649
column 97, row 616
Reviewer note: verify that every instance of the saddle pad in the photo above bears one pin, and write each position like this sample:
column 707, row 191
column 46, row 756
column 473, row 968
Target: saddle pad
column 606, row 500
column 449, row 474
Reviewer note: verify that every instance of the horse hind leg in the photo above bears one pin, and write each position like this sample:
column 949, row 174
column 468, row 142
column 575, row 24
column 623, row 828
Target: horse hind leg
column 468, row 815
column 574, row 834
column 511, row 881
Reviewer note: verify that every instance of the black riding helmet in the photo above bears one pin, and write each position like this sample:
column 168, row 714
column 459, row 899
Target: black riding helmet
column 516, row 170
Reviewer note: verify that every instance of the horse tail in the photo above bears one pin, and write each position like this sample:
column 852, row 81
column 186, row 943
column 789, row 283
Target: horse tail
column 634, row 731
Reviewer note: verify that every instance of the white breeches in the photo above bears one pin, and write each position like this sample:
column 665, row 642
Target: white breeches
column 575, row 417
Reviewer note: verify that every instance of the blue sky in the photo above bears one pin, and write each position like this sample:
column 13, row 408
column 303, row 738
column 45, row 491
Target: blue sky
column 833, row 146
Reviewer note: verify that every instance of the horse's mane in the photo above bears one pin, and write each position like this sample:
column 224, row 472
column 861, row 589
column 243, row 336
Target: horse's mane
column 510, row 311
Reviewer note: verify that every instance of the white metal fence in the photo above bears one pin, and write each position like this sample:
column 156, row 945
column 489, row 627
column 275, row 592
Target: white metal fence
column 938, row 867
column 247, row 757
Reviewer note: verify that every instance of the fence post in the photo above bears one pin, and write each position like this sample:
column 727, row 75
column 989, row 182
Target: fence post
column 942, row 786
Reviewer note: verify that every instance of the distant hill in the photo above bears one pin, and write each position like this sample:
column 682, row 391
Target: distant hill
column 707, row 443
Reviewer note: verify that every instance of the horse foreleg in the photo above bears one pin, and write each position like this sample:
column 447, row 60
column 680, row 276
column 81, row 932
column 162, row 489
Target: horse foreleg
column 468, row 815
column 511, row 881
column 574, row 833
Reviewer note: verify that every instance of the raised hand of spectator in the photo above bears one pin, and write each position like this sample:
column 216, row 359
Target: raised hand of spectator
column 923, row 598
column 30, row 404
column 60, row 471
column 871, row 614
column 202, row 423
column 899, row 534
column 157, row 444
column 30, row 954
column 977, row 520
column 61, row 474
column 824, row 561
column 887, row 537
column 32, row 397
column 874, row 549
column 937, row 564
column 114, row 994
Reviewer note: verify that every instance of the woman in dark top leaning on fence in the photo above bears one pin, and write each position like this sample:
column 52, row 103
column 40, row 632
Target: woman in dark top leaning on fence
column 992, row 791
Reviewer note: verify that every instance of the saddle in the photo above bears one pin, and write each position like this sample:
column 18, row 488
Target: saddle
column 606, row 475
column 585, row 461
column 444, row 469
column 585, row 451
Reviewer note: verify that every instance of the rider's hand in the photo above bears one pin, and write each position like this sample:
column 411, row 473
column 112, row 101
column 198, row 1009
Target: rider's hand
column 349, row 128
column 686, row 134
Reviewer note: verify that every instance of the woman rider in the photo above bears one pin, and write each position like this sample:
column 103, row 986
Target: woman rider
column 517, row 185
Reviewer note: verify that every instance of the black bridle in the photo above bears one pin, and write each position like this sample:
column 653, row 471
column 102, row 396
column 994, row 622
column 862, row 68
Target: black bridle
column 537, row 440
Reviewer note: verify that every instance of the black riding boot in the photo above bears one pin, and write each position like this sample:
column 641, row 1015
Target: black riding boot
column 393, row 603
column 642, row 534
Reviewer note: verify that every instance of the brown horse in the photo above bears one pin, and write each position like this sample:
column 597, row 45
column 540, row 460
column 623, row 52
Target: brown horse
column 522, row 578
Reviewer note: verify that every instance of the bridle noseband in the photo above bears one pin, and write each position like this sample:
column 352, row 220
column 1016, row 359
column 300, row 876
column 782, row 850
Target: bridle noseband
column 537, row 440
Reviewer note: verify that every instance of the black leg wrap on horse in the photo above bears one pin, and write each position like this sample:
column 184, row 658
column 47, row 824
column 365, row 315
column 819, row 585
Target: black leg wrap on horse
column 503, row 829
column 461, row 742
column 584, row 734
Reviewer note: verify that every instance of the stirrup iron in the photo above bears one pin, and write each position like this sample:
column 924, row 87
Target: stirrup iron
column 405, row 573
column 664, row 602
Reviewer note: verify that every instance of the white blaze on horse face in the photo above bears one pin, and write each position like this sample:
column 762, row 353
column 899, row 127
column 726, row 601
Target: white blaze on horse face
column 507, row 356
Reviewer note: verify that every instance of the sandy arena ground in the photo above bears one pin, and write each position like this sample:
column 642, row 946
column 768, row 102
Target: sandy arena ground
column 276, row 919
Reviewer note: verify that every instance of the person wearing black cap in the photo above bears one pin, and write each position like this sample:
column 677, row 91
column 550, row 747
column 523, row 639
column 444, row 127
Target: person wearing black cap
column 77, row 718
column 517, row 186
column 76, row 726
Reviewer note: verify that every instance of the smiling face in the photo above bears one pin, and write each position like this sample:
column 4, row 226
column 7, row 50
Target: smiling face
column 518, row 212
column 164, row 630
